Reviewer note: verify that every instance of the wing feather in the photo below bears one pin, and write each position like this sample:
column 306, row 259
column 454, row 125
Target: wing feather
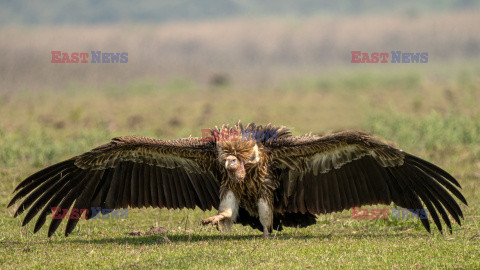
column 189, row 190
column 134, row 183
column 153, row 186
column 310, row 189
column 127, row 189
column 40, row 201
column 147, row 187
column 347, row 196
column 353, row 186
column 301, row 197
column 84, row 199
column 212, row 189
column 199, row 191
column 336, row 201
column 178, row 183
column 54, row 201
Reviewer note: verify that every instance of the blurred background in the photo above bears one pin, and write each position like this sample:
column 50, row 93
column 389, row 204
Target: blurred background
column 193, row 65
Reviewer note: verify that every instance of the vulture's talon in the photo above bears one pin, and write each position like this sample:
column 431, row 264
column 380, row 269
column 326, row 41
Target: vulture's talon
column 265, row 234
column 215, row 220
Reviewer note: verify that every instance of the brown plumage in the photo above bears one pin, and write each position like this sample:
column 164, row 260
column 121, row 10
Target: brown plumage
column 258, row 176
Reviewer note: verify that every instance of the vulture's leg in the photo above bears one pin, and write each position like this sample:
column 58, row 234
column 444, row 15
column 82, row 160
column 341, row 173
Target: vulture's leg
column 266, row 215
column 227, row 212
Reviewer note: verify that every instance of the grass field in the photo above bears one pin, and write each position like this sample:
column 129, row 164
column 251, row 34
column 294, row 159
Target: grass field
column 431, row 113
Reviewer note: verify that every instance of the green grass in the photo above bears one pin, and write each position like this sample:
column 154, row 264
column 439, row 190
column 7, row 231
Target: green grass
column 435, row 117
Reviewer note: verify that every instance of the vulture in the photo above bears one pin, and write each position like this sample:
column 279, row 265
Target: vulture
column 258, row 176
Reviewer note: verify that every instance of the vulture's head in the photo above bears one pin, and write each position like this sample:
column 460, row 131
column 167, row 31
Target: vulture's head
column 238, row 157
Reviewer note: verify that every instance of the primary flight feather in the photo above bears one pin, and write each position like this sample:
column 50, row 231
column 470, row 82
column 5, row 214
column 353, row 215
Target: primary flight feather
column 254, row 175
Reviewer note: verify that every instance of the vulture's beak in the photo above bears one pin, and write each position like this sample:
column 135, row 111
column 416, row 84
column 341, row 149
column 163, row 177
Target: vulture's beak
column 235, row 168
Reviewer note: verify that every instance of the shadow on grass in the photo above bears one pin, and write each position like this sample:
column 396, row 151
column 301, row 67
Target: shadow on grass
column 169, row 238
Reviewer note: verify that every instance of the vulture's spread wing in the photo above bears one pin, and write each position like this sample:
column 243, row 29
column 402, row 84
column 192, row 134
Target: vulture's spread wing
column 350, row 169
column 128, row 171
